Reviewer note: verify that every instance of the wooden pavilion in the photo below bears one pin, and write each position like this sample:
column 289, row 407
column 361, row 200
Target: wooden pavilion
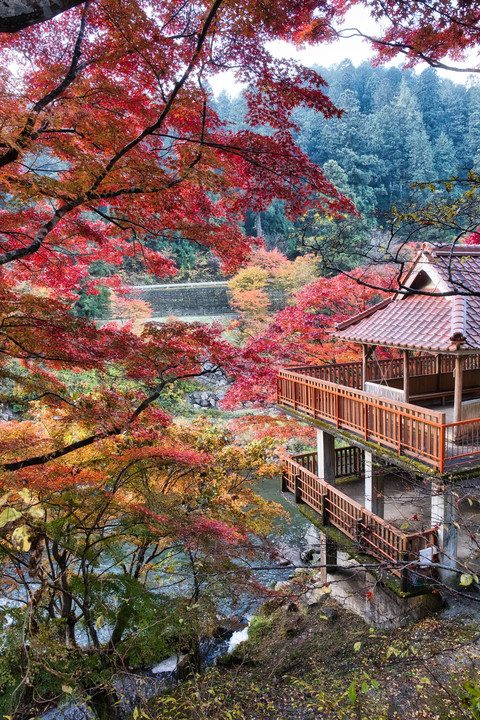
column 419, row 410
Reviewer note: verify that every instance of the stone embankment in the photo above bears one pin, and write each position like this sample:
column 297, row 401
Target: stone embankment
column 196, row 299
column 184, row 299
column 214, row 387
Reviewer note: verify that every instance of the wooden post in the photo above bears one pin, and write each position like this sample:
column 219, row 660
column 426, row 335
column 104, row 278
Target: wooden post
column 298, row 493
column 441, row 449
column 284, row 482
column 457, row 403
column 330, row 554
column 323, row 509
column 405, row 572
column 406, row 376
column 438, row 367
column 366, row 354
column 359, row 530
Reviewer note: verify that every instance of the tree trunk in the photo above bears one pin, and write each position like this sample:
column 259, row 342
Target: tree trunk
column 258, row 225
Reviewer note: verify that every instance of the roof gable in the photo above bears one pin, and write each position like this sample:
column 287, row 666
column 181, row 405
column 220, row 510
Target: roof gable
column 430, row 314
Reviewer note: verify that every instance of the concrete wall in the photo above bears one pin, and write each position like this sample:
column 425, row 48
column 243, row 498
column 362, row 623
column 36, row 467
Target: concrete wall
column 385, row 391
column 420, row 384
column 205, row 298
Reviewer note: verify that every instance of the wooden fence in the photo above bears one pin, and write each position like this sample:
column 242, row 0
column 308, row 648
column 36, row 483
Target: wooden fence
column 407, row 429
column 371, row 534
column 349, row 461
column 350, row 374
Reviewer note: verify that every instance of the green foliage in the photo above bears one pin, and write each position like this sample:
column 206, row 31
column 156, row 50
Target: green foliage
column 173, row 397
column 93, row 306
column 472, row 699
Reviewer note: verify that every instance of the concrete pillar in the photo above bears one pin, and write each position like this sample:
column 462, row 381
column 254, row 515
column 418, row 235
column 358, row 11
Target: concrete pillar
column 326, row 456
column 328, row 556
column 374, row 488
column 457, row 400
column 406, row 376
column 444, row 515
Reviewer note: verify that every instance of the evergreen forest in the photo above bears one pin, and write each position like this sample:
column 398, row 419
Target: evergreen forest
column 399, row 127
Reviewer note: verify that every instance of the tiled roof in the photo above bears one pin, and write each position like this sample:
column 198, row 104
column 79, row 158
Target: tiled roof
column 435, row 322
column 460, row 268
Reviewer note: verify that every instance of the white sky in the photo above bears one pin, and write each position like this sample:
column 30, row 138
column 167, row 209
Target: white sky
column 354, row 49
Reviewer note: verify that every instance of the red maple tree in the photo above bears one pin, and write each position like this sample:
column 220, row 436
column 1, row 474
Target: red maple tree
column 440, row 33
column 107, row 140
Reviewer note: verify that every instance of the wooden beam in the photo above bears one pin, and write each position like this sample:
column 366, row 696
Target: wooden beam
column 406, row 376
column 364, row 365
column 457, row 402
column 367, row 351
column 438, row 366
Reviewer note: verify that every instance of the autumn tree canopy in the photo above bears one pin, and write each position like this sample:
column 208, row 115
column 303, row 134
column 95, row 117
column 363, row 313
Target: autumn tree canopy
column 438, row 33
column 107, row 140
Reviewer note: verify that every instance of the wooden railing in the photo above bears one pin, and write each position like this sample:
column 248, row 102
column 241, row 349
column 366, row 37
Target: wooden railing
column 406, row 429
column 462, row 443
column 409, row 430
column 371, row 534
column 348, row 461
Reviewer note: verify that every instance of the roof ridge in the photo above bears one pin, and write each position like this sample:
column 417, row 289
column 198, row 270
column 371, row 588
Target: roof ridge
column 457, row 250
column 459, row 318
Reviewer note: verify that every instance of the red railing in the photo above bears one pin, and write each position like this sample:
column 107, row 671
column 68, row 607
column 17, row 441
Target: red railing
column 371, row 534
column 407, row 429
column 462, row 443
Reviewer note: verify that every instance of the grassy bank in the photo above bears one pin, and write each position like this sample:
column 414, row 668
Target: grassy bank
column 322, row 662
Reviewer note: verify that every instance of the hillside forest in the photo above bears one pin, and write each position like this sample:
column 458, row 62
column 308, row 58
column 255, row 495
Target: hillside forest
column 399, row 127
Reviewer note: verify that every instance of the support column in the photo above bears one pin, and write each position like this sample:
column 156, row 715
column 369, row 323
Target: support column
column 328, row 556
column 326, row 456
column 374, row 488
column 457, row 403
column 444, row 515
column 367, row 352
column 406, row 376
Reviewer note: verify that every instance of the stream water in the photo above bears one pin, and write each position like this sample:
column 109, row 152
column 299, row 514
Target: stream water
column 289, row 537
column 290, row 531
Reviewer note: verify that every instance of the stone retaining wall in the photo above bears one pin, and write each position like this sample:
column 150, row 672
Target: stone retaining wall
column 205, row 298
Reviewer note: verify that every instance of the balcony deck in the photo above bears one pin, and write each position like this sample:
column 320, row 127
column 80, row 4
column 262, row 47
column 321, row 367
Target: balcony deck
column 331, row 394
column 370, row 533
